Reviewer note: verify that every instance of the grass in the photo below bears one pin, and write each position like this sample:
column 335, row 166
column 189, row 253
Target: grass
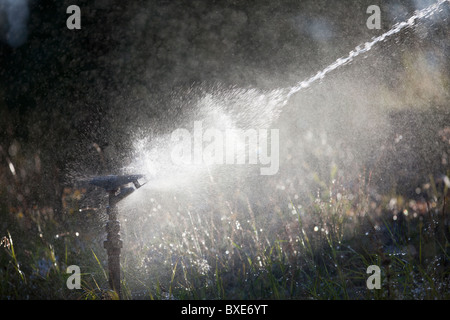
column 318, row 250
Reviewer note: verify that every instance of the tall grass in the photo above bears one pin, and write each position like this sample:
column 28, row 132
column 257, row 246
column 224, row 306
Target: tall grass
column 317, row 250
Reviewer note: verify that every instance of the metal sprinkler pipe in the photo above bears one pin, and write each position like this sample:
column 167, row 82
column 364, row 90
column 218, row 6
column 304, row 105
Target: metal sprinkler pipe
column 117, row 190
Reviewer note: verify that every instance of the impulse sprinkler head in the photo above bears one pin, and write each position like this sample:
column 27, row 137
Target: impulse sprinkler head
column 113, row 183
column 116, row 186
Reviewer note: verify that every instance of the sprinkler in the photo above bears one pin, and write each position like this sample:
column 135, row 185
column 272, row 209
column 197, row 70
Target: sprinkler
column 118, row 187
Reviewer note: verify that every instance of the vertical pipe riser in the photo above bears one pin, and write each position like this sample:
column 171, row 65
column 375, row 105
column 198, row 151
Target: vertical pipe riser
column 113, row 245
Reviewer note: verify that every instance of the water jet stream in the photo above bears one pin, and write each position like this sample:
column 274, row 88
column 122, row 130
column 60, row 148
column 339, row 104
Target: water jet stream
column 360, row 49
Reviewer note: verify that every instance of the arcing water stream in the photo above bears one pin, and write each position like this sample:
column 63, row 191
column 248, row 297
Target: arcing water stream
column 361, row 49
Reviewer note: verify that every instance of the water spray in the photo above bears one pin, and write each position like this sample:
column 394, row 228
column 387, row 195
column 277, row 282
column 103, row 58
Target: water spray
column 118, row 188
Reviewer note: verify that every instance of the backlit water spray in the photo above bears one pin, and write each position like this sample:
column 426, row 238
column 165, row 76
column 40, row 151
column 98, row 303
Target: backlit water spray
column 235, row 108
column 187, row 214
